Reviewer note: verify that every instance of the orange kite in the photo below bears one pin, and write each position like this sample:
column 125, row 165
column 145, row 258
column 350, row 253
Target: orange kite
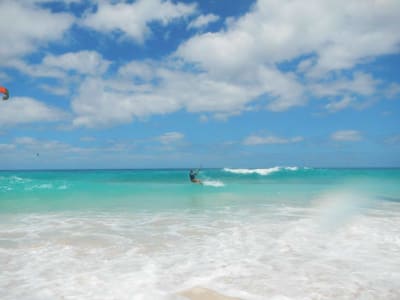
column 4, row 91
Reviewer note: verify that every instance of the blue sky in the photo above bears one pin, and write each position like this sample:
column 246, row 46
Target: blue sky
column 217, row 83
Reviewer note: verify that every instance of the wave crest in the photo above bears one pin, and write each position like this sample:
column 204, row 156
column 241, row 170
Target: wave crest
column 263, row 172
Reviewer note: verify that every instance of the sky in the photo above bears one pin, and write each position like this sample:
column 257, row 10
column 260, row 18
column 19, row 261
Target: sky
column 211, row 83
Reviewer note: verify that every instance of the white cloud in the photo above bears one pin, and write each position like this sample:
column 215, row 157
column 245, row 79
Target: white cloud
column 361, row 83
column 20, row 110
column 285, row 90
column 34, row 70
column 105, row 103
column 170, row 137
column 68, row 69
column 56, row 66
column 144, row 70
column 160, row 90
column 133, row 18
column 261, row 140
column 202, row 93
column 338, row 35
column 203, row 20
column 346, row 136
column 83, row 62
column 336, row 106
column 24, row 27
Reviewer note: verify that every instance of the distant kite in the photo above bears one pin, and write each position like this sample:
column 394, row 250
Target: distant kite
column 4, row 91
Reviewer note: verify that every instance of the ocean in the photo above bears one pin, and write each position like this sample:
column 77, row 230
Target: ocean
column 270, row 233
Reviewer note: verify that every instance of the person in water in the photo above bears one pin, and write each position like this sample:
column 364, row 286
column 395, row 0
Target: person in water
column 192, row 176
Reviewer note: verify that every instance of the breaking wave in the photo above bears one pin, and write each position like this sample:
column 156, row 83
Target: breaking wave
column 262, row 172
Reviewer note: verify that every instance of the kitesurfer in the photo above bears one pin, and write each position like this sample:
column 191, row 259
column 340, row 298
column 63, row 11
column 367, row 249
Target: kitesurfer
column 192, row 176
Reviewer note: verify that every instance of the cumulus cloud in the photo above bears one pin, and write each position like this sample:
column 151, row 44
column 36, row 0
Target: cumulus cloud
column 346, row 136
column 68, row 69
column 83, row 62
column 23, row 110
column 144, row 70
column 133, row 19
column 340, row 33
column 160, row 89
column 32, row 27
column 337, row 35
column 270, row 139
column 57, row 66
column 104, row 103
column 34, row 70
column 203, row 20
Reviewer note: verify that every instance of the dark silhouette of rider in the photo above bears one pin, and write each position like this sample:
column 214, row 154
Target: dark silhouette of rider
column 192, row 176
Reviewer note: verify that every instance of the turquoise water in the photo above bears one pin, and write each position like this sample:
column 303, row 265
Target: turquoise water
column 24, row 191
column 272, row 233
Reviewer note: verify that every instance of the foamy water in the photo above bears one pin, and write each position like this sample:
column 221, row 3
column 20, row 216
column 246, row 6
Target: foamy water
column 266, row 171
column 262, row 253
column 214, row 183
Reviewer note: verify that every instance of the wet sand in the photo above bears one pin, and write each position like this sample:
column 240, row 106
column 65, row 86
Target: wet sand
column 200, row 293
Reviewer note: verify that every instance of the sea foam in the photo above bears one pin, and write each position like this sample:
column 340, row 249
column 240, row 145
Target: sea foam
column 214, row 183
column 266, row 171
column 255, row 253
